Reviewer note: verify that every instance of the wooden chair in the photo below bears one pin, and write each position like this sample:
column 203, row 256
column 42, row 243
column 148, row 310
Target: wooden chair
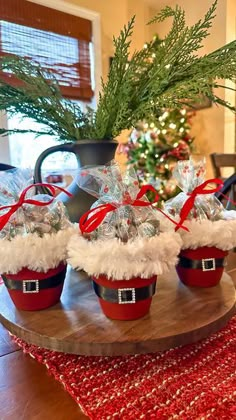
column 228, row 184
column 228, row 189
column 225, row 160
column 222, row 160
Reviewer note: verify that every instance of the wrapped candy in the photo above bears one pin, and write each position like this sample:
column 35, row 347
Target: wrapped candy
column 211, row 230
column 190, row 177
column 34, row 231
column 130, row 214
column 121, row 243
column 39, row 213
column 123, row 224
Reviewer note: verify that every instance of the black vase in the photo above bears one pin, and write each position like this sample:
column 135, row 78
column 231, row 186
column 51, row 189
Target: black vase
column 87, row 152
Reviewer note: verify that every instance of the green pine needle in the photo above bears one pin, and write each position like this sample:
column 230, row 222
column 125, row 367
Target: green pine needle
column 163, row 75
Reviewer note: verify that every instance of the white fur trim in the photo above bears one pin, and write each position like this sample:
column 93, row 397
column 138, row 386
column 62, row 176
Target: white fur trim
column 33, row 252
column 142, row 257
column 221, row 234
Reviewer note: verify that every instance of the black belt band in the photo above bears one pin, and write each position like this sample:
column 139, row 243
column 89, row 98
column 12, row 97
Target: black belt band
column 206, row 264
column 124, row 295
column 34, row 286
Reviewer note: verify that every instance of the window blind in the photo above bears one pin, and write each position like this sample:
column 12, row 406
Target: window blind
column 58, row 41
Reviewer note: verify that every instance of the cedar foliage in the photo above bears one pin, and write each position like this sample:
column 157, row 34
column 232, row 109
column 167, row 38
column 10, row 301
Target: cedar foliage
column 163, row 75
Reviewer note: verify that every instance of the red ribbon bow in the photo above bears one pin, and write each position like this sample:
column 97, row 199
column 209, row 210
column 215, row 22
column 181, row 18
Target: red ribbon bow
column 22, row 200
column 200, row 189
column 98, row 214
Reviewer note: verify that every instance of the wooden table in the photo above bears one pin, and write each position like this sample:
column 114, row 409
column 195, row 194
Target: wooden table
column 27, row 390
column 179, row 315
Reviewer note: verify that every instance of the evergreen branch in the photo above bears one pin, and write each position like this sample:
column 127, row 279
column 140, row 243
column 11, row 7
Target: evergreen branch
column 162, row 75
column 221, row 101
column 38, row 97
column 224, row 87
column 5, row 132
column 117, row 89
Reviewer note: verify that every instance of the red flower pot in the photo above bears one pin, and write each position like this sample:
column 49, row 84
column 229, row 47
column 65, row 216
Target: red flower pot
column 33, row 290
column 125, row 299
column 201, row 267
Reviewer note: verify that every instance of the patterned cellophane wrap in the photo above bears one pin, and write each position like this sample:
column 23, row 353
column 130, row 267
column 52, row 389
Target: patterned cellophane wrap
column 36, row 233
column 208, row 222
column 126, row 239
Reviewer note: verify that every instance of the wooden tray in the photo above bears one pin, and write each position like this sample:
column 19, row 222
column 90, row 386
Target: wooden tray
column 179, row 315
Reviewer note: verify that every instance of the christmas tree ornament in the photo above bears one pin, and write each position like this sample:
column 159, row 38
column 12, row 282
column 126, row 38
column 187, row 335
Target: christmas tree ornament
column 154, row 149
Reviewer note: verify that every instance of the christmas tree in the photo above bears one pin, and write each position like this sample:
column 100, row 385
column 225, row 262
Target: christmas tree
column 154, row 148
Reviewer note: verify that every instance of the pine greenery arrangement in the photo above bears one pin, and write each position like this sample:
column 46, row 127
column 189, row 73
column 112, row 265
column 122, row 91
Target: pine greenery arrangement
column 160, row 76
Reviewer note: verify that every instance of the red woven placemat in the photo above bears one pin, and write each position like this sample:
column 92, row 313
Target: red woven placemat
column 188, row 383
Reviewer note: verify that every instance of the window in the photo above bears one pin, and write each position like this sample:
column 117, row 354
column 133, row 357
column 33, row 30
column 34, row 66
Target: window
column 24, row 41
column 60, row 42
column 20, row 145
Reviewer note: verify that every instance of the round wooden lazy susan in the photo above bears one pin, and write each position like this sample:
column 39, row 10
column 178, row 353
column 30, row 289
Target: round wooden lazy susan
column 179, row 315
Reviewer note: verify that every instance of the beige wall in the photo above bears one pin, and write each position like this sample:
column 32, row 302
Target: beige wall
column 114, row 15
column 230, row 131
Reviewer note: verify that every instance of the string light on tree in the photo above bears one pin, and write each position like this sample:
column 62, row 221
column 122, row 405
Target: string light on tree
column 155, row 147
